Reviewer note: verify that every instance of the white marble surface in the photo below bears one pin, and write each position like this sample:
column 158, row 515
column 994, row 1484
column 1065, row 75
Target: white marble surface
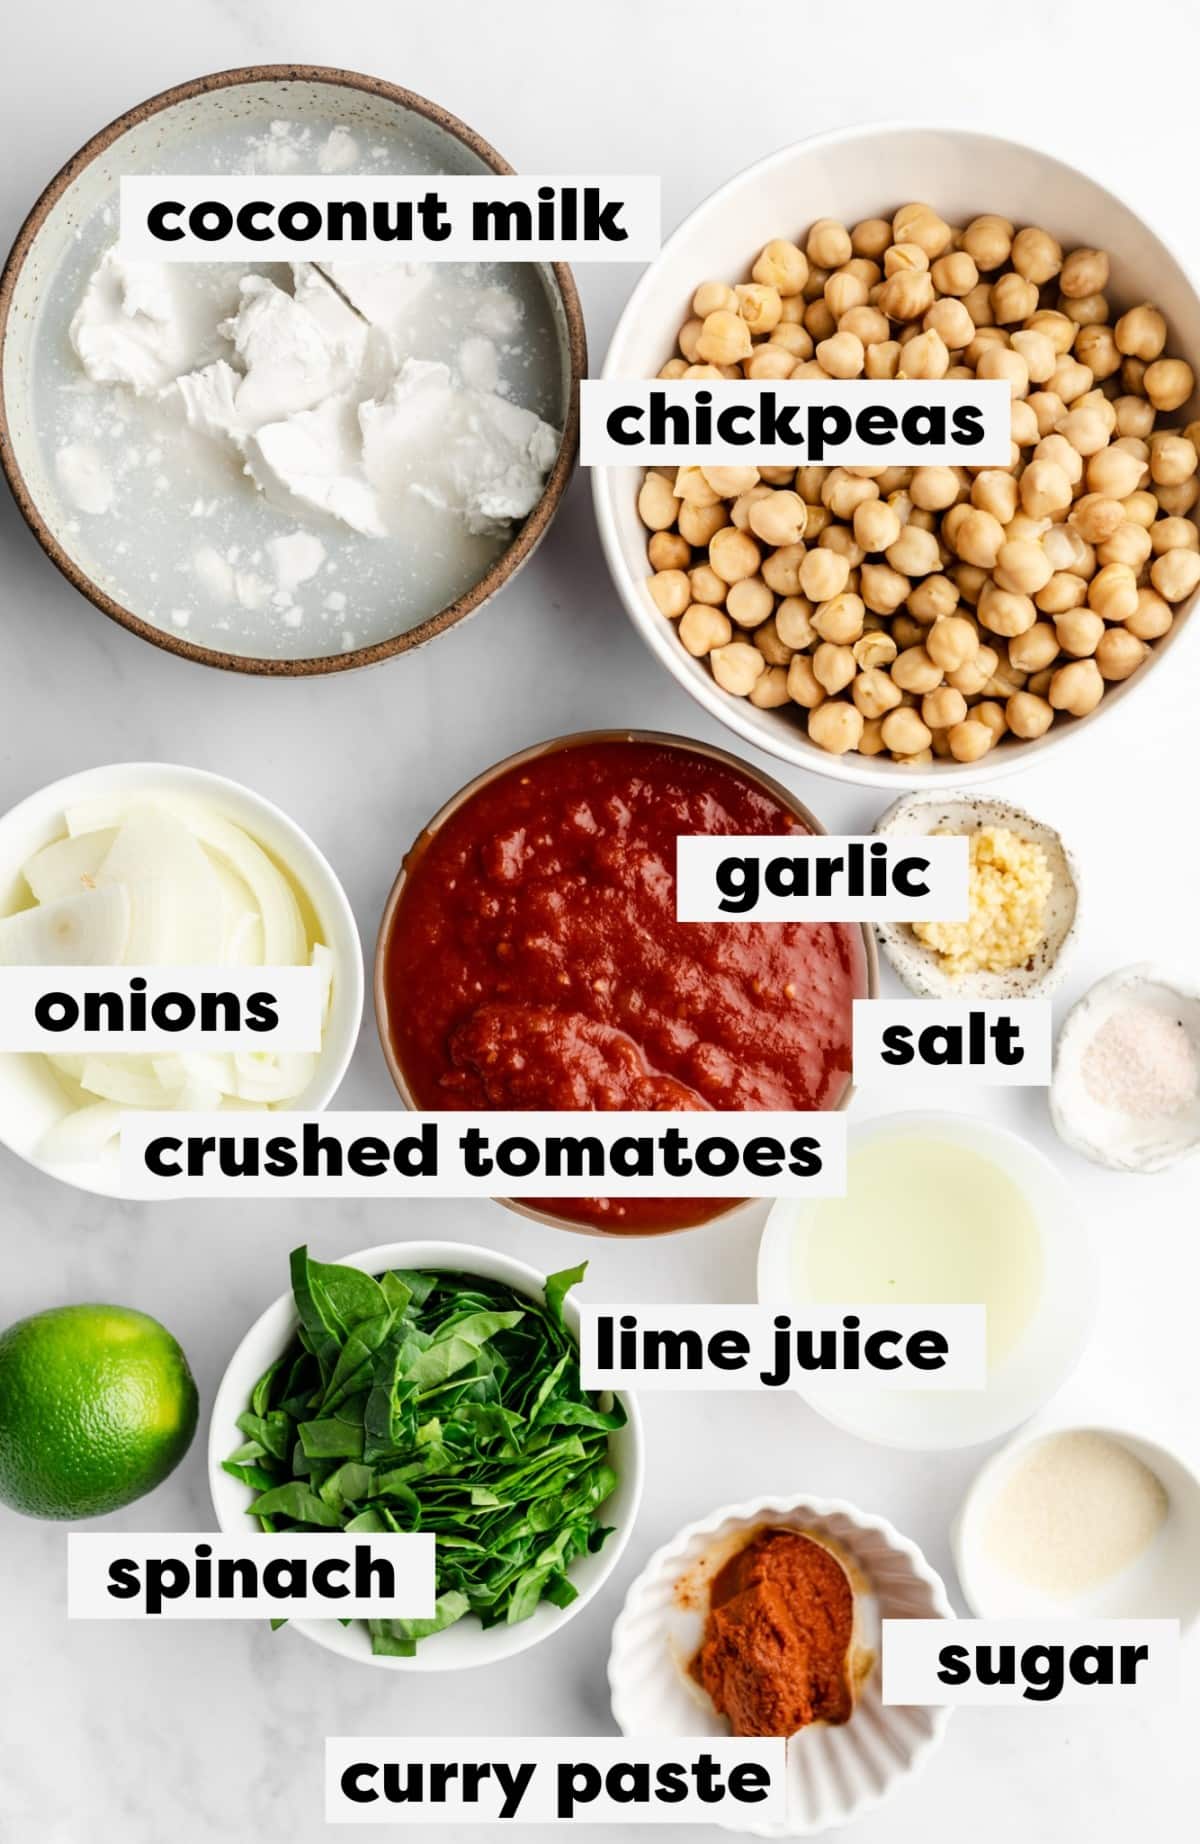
column 205, row 1732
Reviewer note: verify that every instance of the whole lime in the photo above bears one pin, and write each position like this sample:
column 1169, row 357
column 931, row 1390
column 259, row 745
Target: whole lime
column 97, row 1406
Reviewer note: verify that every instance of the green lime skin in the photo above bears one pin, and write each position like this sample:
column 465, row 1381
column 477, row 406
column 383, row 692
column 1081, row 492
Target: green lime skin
column 97, row 1406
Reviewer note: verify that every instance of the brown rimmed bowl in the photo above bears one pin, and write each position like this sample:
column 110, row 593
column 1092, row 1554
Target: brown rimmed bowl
column 766, row 783
column 255, row 95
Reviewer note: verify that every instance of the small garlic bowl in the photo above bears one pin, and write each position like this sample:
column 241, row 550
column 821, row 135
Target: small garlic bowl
column 834, row 1773
column 919, row 966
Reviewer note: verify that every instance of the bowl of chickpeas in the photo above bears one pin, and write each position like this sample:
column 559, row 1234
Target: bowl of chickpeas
column 873, row 622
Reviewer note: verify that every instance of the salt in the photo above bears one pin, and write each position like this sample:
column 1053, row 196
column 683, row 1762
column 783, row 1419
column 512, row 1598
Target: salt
column 1141, row 1063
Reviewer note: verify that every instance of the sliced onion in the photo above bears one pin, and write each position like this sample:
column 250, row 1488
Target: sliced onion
column 80, row 1136
column 68, row 866
column 123, row 1080
column 285, row 940
column 88, row 930
column 268, row 1077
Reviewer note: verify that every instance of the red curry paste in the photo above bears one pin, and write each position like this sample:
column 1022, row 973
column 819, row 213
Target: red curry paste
column 777, row 1645
column 534, row 959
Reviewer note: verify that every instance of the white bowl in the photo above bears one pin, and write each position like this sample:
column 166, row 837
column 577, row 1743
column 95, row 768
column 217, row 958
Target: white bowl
column 834, row 1773
column 1101, row 1134
column 466, row 1643
column 918, row 966
column 30, row 1097
column 1043, row 1357
column 1164, row 1584
column 851, row 174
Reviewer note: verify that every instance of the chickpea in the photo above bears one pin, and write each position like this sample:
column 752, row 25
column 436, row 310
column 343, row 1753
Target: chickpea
column 760, row 306
column 1119, row 653
column 707, row 586
column 769, row 690
column 1062, row 593
column 873, row 648
column 1097, row 349
column 780, row 518
column 1048, row 410
column 1057, row 448
column 1084, row 428
column 876, row 525
column 699, row 524
column 952, row 642
column 874, row 693
column 781, row 570
column 1141, row 333
column 1115, row 472
column 1178, row 501
column 843, row 292
column 995, row 492
column 1035, row 648
column 1135, row 416
column 933, row 598
column 1023, row 567
column 1004, row 681
column 1071, row 379
column 1013, row 299
column 1174, row 535
column 1091, row 310
column 668, row 551
column 689, row 339
column 733, row 554
column 1176, row 574
column 842, row 492
column 952, row 323
column 1077, row 688
column 914, row 670
column 1027, row 715
column 749, row 602
column 780, row 266
column 793, row 622
column 792, row 339
column 970, row 740
column 900, row 257
column 1036, row 255
column 724, row 338
column 840, row 619
column 823, row 574
column 933, row 488
column 834, row 666
column 711, row 297
column 802, row 683
column 1142, row 508
column 1172, row 460
column 829, row 244
column 955, row 273
column 674, row 368
column 1079, row 632
column 739, row 512
column 907, row 295
column 1096, row 516
column 842, row 355
column 671, row 592
column 1169, row 383
column 943, row 708
column 978, row 536
column 703, row 628
column 1045, row 489
column 883, row 589
column 767, row 639
column 988, row 240
column 1129, row 544
column 883, row 359
column 693, row 488
column 1001, row 612
column 924, row 356
column 1152, row 617
column 835, row 726
column 904, row 733
column 1085, row 272
column 871, row 743
column 1038, row 352
column 1133, row 376
column 1113, row 592
column 971, row 677
column 921, row 225
column 737, row 667
column 1065, row 547
column 657, row 505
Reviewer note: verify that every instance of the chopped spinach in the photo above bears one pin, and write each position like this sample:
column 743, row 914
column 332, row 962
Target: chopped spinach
column 438, row 1402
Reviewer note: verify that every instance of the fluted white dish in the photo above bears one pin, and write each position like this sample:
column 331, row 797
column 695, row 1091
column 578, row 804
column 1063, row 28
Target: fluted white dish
column 834, row 1773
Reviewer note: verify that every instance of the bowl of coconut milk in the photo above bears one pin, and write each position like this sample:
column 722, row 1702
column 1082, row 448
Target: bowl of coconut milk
column 292, row 467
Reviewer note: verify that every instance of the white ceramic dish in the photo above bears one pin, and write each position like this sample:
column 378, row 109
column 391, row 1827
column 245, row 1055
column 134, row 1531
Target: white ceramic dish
column 1163, row 1584
column 30, row 1097
column 1099, row 1133
column 851, row 174
column 467, row 1643
column 1040, row 1361
column 834, row 1773
column 936, row 809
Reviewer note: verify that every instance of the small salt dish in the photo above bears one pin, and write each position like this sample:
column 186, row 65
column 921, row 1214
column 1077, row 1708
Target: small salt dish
column 920, row 967
column 1088, row 1113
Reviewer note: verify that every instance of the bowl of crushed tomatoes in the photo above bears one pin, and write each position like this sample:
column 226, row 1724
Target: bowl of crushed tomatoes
column 530, row 957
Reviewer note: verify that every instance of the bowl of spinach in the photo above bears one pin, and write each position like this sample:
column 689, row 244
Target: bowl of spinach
column 433, row 1386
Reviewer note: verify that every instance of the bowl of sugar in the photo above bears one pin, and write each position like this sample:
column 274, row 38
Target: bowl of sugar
column 286, row 468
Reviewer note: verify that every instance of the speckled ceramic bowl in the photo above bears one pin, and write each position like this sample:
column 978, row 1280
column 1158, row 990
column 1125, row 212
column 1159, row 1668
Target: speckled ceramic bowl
column 135, row 142
column 834, row 1774
column 919, row 966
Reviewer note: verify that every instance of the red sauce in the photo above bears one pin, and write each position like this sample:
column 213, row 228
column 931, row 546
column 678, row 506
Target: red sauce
column 534, row 959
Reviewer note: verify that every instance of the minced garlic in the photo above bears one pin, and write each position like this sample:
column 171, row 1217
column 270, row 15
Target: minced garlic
column 1010, row 880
